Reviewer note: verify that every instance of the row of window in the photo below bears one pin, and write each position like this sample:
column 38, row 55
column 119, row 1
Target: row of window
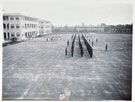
column 23, row 18
column 30, row 25
column 95, row 30
column 9, row 35
column 41, row 32
column 10, row 18
column 42, row 22
column 91, row 28
column 47, row 26
column 41, row 27
column 7, row 26
column 30, row 34
column 12, row 26
column 115, row 30
column 17, row 18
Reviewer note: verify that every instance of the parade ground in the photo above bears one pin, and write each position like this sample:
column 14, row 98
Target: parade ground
column 39, row 69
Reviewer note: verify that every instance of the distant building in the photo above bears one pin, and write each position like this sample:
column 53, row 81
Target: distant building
column 90, row 29
column 120, row 29
column 23, row 27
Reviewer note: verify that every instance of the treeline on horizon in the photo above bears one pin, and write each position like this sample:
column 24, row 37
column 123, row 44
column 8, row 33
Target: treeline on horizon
column 116, row 29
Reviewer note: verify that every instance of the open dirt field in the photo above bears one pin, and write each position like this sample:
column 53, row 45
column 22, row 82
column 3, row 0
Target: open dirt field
column 39, row 69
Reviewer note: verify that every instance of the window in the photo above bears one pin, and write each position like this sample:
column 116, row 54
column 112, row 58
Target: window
column 7, row 26
column 17, row 18
column 18, row 34
column 25, row 34
column 12, row 26
column 5, row 17
column 4, row 25
column 5, row 35
column 17, row 26
column 8, row 35
column 11, row 18
column 12, row 34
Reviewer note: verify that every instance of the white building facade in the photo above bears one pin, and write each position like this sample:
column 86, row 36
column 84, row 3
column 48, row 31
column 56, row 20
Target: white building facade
column 44, row 27
column 22, row 27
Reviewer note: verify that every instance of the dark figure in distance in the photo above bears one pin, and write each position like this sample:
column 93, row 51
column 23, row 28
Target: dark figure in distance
column 106, row 47
column 96, row 40
column 89, row 40
column 67, row 42
column 72, row 37
column 66, row 51
column 81, row 53
column 92, row 43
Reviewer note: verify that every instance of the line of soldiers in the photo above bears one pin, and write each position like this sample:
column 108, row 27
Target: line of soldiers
column 106, row 46
column 66, row 48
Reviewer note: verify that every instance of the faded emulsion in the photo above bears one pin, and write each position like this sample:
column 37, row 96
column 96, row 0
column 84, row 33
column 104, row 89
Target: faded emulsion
column 46, row 59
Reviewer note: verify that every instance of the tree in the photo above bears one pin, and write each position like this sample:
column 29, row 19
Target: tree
column 103, row 24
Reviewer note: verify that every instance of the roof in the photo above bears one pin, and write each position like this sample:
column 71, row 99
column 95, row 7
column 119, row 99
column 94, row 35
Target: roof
column 28, row 17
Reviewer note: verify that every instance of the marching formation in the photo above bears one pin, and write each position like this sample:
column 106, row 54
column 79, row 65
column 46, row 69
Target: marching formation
column 81, row 45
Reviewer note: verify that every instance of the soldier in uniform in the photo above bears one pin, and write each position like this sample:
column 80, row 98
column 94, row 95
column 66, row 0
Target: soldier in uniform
column 66, row 51
column 106, row 47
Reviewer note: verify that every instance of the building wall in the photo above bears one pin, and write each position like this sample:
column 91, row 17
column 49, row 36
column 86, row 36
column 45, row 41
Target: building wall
column 11, row 27
column 47, row 27
column 44, row 27
column 23, row 27
column 29, row 27
column 41, row 27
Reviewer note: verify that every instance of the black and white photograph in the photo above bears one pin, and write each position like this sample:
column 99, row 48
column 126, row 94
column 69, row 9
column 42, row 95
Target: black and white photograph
column 67, row 50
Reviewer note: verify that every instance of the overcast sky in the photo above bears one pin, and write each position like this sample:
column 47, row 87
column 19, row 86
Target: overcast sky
column 73, row 12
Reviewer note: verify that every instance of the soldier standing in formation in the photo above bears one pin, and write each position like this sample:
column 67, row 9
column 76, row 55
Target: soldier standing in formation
column 106, row 47
column 67, row 42
column 92, row 43
column 66, row 51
